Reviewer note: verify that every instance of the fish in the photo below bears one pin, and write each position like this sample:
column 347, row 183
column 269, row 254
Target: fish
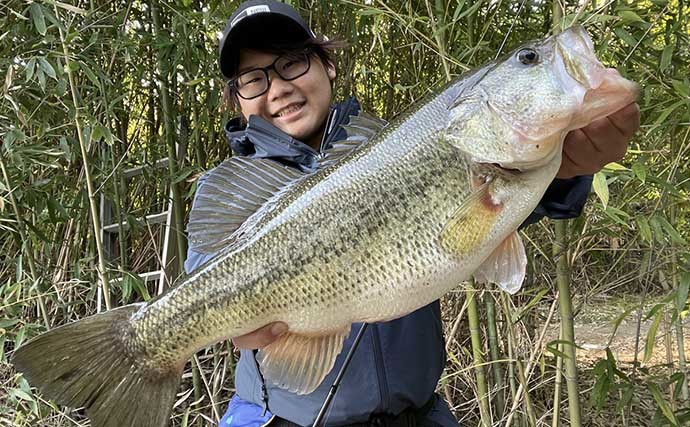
column 399, row 214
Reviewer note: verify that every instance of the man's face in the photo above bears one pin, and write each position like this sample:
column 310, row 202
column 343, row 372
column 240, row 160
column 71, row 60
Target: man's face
column 298, row 107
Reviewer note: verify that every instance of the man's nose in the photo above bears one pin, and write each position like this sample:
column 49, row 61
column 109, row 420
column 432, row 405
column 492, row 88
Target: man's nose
column 279, row 87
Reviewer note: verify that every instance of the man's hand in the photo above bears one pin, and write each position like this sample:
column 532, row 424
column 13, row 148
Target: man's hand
column 261, row 337
column 587, row 150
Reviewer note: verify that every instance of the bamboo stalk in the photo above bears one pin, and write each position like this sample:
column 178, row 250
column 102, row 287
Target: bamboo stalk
column 675, row 271
column 511, row 357
column 566, row 311
column 439, row 37
column 558, row 381
column 478, row 355
column 563, row 282
column 169, row 132
column 25, row 244
column 104, row 284
column 494, row 353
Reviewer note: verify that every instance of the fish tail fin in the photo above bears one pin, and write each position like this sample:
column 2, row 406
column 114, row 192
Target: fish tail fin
column 85, row 364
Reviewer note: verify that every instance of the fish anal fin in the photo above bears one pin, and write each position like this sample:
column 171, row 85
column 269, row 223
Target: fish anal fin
column 506, row 266
column 299, row 363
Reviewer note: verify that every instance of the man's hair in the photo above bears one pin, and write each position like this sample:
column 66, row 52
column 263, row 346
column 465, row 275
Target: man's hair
column 318, row 46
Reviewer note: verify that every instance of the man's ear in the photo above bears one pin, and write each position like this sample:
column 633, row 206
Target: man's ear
column 330, row 71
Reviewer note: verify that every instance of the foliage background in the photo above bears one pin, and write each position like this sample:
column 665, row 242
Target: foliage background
column 144, row 78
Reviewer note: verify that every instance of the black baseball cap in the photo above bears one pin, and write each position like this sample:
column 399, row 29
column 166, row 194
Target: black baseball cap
column 259, row 23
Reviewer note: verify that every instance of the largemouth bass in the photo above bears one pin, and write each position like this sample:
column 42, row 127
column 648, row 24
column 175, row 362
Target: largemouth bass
column 399, row 215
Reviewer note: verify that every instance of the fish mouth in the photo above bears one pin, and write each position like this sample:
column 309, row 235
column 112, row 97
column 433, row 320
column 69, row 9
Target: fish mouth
column 507, row 171
column 599, row 90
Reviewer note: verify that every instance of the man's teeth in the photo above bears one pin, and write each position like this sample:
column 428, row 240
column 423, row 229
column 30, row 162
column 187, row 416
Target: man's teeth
column 289, row 110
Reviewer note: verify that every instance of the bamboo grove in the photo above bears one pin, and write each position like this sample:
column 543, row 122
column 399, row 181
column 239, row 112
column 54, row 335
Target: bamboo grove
column 91, row 90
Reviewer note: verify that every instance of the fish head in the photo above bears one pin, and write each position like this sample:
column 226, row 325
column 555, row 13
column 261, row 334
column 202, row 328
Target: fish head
column 518, row 113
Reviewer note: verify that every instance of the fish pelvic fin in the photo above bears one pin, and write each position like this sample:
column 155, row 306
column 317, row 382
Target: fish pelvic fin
column 506, row 266
column 84, row 364
column 299, row 363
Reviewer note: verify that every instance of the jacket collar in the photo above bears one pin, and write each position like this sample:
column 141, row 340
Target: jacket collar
column 260, row 139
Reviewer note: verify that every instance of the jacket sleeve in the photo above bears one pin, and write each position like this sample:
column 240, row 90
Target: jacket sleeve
column 565, row 198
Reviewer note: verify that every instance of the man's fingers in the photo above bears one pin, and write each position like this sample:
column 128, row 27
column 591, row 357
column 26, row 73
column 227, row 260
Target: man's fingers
column 260, row 337
column 627, row 119
column 580, row 156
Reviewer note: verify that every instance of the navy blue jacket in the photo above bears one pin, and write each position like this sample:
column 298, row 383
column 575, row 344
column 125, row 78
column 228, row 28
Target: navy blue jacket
column 398, row 363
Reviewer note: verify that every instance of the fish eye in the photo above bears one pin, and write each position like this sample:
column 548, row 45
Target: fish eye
column 528, row 56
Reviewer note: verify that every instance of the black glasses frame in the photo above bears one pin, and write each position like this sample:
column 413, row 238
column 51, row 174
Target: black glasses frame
column 233, row 82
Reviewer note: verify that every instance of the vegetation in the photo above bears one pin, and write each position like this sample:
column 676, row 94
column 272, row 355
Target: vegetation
column 91, row 89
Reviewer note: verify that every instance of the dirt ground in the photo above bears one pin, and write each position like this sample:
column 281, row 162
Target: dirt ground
column 595, row 328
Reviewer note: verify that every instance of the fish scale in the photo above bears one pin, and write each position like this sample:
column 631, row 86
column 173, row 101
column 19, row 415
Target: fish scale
column 398, row 215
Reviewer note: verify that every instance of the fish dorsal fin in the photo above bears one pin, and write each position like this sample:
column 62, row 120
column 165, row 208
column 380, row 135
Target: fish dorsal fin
column 230, row 193
column 364, row 125
column 506, row 266
column 360, row 130
column 299, row 363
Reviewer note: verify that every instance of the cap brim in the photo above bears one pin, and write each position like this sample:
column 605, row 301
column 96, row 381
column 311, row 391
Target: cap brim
column 261, row 31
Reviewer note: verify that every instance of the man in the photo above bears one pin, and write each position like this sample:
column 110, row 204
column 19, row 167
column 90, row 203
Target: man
column 280, row 76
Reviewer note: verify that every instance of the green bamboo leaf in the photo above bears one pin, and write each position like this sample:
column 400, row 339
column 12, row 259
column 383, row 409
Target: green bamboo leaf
column 681, row 87
column 613, row 166
column 663, row 404
column 671, row 231
column 682, row 292
column 640, row 171
column 471, row 10
column 656, row 228
column 41, row 79
column 625, row 36
column 140, row 286
column 30, row 68
column 629, row 16
column 14, row 135
column 666, row 57
column 90, row 74
column 617, row 322
column 47, row 68
column 69, row 7
column 38, row 18
column 645, row 230
column 601, row 188
column 21, row 394
column 667, row 112
column 625, row 399
column 369, row 12
column 6, row 323
column 651, row 336
column 56, row 211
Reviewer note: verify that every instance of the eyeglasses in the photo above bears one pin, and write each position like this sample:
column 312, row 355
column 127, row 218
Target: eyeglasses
column 255, row 82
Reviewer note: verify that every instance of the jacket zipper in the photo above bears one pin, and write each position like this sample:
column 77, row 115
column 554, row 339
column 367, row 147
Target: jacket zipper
column 329, row 128
column 380, row 368
column 264, row 391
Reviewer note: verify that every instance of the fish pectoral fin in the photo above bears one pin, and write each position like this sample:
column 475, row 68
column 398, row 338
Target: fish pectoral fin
column 299, row 363
column 506, row 266
column 231, row 193
column 469, row 225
